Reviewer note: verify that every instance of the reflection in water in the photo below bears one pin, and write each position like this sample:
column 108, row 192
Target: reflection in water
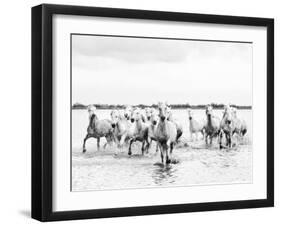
column 164, row 174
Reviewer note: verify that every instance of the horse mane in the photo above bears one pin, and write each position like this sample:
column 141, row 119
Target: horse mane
column 93, row 116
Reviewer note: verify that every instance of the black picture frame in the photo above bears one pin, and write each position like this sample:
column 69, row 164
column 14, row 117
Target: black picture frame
column 42, row 107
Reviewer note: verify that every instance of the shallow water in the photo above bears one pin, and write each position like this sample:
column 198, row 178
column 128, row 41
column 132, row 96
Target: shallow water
column 195, row 163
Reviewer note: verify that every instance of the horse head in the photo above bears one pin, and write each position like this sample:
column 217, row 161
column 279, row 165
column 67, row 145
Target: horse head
column 164, row 111
column 148, row 113
column 228, row 115
column 136, row 115
column 115, row 116
column 209, row 110
column 154, row 117
column 127, row 112
column 234, row 112
column 91, row 109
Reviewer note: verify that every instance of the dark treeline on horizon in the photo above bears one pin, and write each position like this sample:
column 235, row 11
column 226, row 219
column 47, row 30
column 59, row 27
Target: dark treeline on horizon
column 173, row 106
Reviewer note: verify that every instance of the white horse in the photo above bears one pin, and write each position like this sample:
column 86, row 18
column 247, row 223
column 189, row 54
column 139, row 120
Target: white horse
column 121, row 125
column 166, row 133
column 171, row 118
column 128, row 112
column 226, row 127
column 139, row 130
column 212, row 127
column 231, row 125
column 195, row 126
column 240, row 127
column 98, row 128
column 152, row 126
column 148, row 113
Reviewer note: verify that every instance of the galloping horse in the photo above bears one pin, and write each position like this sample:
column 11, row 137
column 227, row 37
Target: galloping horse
column 121, row 125
column 139, row 131
column 212, row 126
column 240, row 125
column 195, row 126
column 226, row 127
column 98, row 128
column 172, row 119
column 166, row 133
column 152, row 126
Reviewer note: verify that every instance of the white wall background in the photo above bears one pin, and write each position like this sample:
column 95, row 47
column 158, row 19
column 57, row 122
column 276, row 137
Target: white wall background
column 15, row 119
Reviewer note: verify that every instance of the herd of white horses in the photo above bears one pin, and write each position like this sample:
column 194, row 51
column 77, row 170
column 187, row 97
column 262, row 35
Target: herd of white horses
column 158, row 125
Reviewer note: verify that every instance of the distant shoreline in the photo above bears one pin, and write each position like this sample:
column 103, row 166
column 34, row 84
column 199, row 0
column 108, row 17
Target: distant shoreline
column 79, row 106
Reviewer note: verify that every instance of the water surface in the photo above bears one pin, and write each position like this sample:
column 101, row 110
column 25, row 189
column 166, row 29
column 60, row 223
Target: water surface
column 198, row 164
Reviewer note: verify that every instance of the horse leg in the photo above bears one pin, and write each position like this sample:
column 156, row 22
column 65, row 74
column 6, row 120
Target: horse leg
column 117, row 141
column 84, row 142
column 148, row 143
column 220, row 139
column 161, row 153
column 164, row 156
column 229, row 141
column 171, row 146
column 165, row 148
column 147, row 147
column 108, row 141
column 202, row 132
column 168, row 160
column 171, row 149
column 98, row 143
column 130, row 146
column 157, row 147
column 227, row 137
column 142, row 147
column 226, row 140
column 206, row 139
column 122, row 140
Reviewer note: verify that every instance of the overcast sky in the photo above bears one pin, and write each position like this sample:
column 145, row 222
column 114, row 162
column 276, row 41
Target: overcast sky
column 122, row 70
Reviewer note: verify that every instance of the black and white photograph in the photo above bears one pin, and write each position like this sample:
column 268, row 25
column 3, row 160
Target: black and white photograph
column 148, row 112
column 151, row 112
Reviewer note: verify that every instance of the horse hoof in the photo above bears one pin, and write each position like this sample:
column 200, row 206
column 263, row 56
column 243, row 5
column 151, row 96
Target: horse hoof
column 168, row 161
column 84, row 150
column 174, row 161
column 129, row 153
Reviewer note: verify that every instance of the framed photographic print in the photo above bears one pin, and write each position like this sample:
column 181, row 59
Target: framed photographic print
column 140, row 112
